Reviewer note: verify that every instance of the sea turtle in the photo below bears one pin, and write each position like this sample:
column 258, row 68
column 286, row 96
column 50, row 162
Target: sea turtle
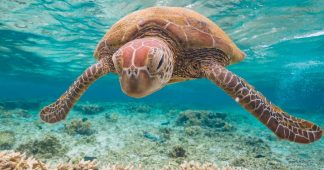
column 151, row 48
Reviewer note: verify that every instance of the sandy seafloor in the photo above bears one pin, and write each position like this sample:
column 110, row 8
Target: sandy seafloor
column 146, row 134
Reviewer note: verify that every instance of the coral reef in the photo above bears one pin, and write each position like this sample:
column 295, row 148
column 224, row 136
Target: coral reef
column 165, row 133
column 46, row 147
column 177, row 151
column 81, row 127
column 7, row 139
column 258, row 147
column 18, row 161
column 198, row 136
column 206, row 119
column 192, row 130
column 258, row 155
column 142, row 108
column 256, row 163
column 192, row 165
column 81, row 165
column 89, row 109
column 111, row 117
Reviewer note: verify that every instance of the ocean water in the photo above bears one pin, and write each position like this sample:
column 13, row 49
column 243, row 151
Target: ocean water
column 45, row 45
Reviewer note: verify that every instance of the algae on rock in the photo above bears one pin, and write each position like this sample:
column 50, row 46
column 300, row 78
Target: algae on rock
column 205, row 119
column 46, row 147
column 7, row 139
column 177, row 151
column 81, row 127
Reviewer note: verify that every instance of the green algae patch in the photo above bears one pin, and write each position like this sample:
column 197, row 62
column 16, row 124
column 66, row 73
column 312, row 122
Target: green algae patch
column 47, row 147
column 7, row 139
column 177, row 151
column 204, row 119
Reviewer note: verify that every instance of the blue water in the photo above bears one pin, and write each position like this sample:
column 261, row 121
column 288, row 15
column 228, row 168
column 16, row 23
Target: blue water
column 46, row 44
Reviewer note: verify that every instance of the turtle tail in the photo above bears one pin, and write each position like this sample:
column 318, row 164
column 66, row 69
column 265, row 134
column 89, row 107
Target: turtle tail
column 58, row 111
column 281, row 123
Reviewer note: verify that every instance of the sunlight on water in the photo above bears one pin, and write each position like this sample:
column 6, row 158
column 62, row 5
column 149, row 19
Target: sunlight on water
column 46, row 39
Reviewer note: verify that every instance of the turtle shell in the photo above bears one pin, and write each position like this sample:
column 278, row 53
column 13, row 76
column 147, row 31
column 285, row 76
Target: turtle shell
column 191, row 30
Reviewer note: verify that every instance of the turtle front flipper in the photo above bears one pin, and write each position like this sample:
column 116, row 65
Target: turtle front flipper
column 281, row 123
column 57, row 111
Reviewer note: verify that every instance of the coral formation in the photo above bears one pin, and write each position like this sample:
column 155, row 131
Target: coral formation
column 81, row 127
column 206, row 119
column 123, row 142
column 258, row 147
column 177, row 151
column 18, row 161
column 46, row 147
column 81, row 165
column 165, row 133
column 111, row 117
column 256, row 163
column 143, row 108
column 192, row 165
column 89, row 109
column 258, row 155
column 192, row 130
column 7, row 139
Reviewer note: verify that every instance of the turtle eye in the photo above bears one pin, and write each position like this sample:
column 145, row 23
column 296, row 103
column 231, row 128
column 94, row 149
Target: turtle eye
column 160, row 63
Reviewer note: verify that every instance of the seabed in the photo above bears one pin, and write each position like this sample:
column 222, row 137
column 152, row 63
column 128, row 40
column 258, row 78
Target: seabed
column 150, row 136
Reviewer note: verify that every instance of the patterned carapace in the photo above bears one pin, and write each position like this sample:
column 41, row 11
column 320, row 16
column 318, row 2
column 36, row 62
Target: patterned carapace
column 151, row 48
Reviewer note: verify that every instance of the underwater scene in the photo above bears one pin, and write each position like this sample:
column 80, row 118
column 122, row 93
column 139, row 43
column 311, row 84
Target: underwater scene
column 165, row 88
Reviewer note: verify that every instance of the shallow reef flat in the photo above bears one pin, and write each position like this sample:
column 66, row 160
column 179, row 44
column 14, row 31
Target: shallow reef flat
column 153, row 136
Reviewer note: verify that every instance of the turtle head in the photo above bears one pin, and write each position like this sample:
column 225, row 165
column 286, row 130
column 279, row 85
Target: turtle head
column 144, row 66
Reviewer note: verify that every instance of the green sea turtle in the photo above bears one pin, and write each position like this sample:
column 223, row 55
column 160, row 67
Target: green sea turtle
column 154, row 47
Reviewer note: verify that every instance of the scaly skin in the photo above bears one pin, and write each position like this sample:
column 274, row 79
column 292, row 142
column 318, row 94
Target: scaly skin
column 281, row 123
column 144, row 66
column 57, row 111
column 157, row 46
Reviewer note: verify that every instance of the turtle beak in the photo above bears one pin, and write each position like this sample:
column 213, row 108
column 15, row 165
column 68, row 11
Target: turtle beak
column 137, row 84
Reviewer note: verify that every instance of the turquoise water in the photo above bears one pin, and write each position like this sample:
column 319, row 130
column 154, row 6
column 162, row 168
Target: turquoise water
column 45, row 45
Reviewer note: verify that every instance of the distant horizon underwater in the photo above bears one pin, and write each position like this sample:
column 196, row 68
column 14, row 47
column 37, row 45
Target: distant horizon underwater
column 45, row 45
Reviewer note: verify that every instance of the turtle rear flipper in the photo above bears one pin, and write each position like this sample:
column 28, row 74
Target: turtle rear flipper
column 281, row 123
column 57, row 111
